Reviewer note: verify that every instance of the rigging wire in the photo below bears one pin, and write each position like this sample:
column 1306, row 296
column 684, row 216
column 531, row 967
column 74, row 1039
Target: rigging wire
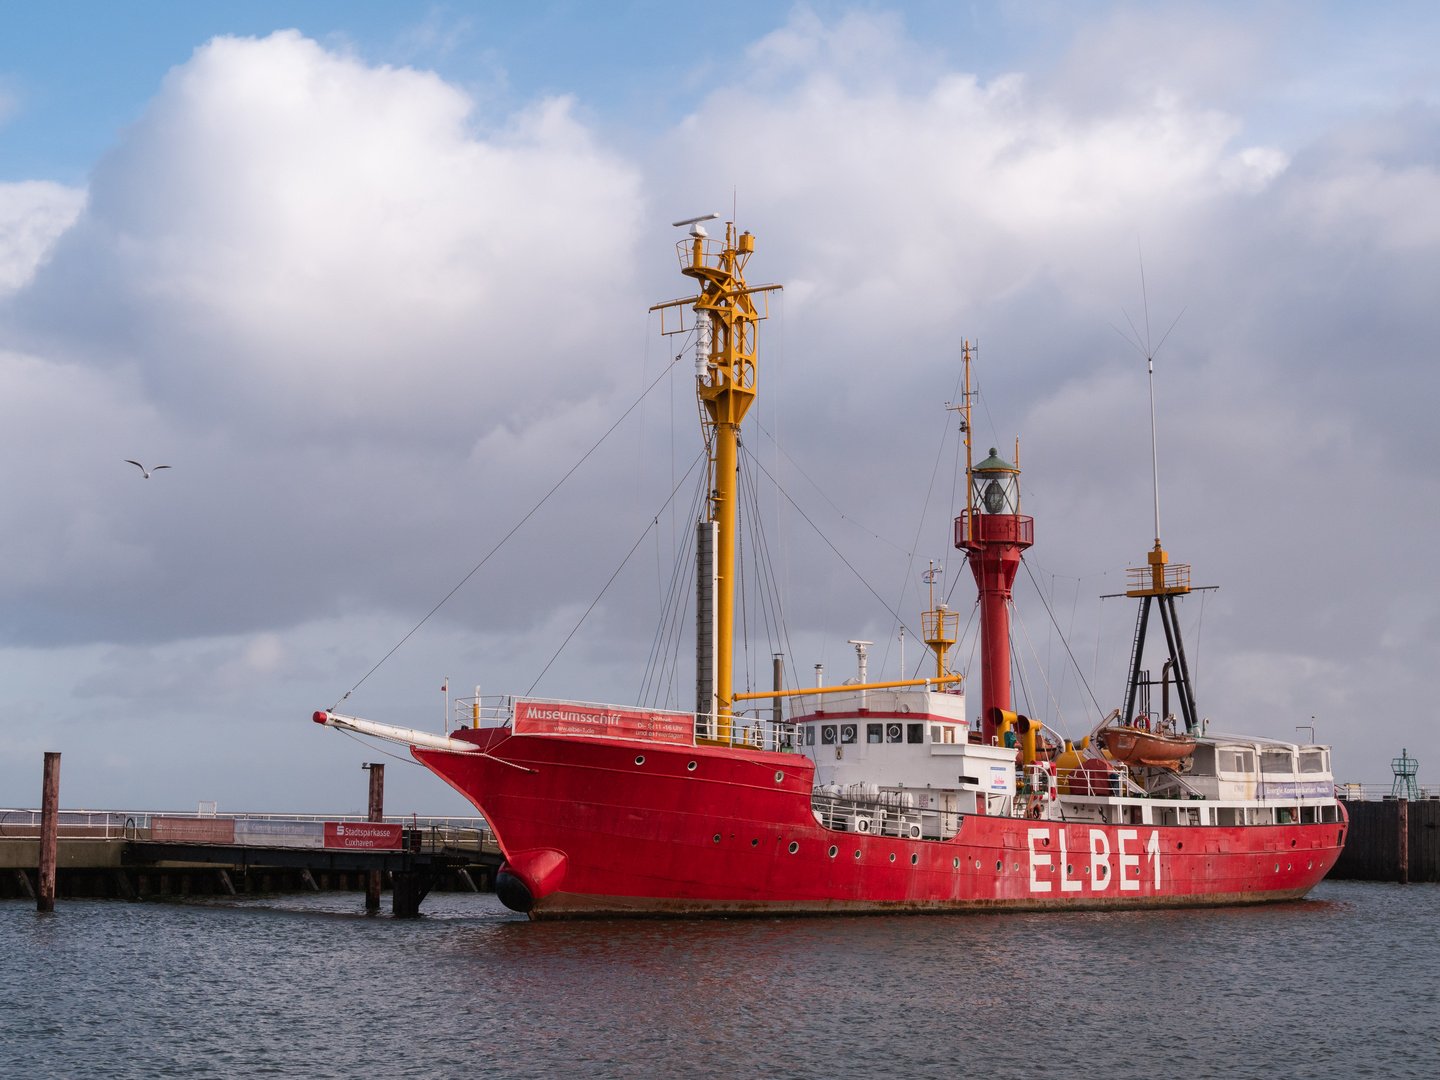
column 919, row 529
column 1017, row 670
column 1062, row 636
column 828, row 544
column 531, row 513
column 657, row 664
column 1051, row 693
column 375, row 749
column 819, row 490
column 654, row 524
column 766, row 568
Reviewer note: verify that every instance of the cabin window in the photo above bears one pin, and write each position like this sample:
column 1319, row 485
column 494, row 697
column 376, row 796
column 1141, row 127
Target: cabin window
column 809, row 734
column 1203, row 760
column 935, row 733
column 914, row 733
column 1327, row 814
column 827, row 734
column 874, row 732
column 849, row 733
column 1276, row 763
column 894, row 733
column 1307, row 815
column 1312, row 761
column 1227, row 815
column 1240, row 761
column 949, row 733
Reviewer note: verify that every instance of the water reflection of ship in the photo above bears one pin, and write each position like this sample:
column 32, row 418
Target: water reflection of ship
column 874, row 795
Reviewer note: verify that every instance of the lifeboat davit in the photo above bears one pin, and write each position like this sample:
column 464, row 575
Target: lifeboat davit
column 1136, row 746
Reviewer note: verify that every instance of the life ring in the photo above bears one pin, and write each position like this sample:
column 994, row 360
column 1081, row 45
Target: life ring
column 1141, row 723
column 1036, row 808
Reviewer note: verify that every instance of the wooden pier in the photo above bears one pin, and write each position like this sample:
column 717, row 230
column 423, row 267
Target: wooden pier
column 132, row 856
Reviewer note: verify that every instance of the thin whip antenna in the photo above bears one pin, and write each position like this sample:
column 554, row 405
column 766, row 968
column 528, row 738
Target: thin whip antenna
column 1150, row 363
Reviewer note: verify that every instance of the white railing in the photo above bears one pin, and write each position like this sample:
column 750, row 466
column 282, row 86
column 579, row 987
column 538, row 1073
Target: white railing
column 127, row 824
column 885, row 813
column 753, row 731
column 488, row 710
column 1376, row 792
column 1115, row 782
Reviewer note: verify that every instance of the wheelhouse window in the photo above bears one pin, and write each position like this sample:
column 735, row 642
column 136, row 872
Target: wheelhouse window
column 914, row 733
column 1236, row 761
column 827, row 734
column 849, row 733
column 1312, row 761
column 894, row 733
column 809, row 734
column 1276, row 763
column 874, row 733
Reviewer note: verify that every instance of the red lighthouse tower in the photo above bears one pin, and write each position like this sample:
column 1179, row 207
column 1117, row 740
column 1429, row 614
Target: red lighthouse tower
column 993, row 532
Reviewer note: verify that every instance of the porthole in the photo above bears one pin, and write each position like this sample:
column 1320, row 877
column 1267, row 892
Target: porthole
column 1310, row 865
column 1069, row 869
column 1288, row 866
column 1179, row 844
column 690, row 767
column 639, row 759
column 977, row 865
column 1292, row 843
column 914, row 858
column 755, row 842
column 957, row 864
column 717, row 838
column 779, row 776
column 1046, row 841
column 794, row 846
column 1277, row 868
column 892, row 856
column 857, row 853
column 834, row 851
column 1017, row 867
column 998, row 866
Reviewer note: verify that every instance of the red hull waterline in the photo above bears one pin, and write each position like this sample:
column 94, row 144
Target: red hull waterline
column 605, row 827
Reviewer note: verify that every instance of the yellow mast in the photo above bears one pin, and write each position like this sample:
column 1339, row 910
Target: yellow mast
column 726, row 322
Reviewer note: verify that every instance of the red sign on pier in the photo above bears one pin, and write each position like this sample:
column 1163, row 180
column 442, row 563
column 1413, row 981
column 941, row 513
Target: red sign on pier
column 362, row 836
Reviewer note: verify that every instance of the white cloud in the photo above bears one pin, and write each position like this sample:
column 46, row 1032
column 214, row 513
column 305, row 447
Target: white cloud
column 336, row 244
column 33, row 214
column 369, row 327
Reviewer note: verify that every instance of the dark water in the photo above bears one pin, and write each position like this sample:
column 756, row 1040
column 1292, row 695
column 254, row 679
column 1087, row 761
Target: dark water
column 1341, row 985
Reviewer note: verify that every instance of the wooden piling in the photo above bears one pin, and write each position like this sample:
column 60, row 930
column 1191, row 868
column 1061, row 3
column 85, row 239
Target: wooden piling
column 1402, row 846
column 377, row 813
column 49, row 831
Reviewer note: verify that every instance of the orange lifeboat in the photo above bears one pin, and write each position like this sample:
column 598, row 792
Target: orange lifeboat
column 1135, row 746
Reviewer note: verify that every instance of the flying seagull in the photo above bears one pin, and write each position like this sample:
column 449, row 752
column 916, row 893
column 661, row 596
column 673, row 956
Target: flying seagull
column 137, row 464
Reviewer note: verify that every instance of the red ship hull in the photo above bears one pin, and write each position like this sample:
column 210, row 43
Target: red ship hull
column 598, row 827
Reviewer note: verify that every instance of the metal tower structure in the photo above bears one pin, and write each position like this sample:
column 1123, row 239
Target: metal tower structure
column 1404, row 767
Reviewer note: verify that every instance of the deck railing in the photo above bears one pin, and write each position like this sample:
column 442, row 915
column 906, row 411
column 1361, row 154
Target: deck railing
column 132, row 824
